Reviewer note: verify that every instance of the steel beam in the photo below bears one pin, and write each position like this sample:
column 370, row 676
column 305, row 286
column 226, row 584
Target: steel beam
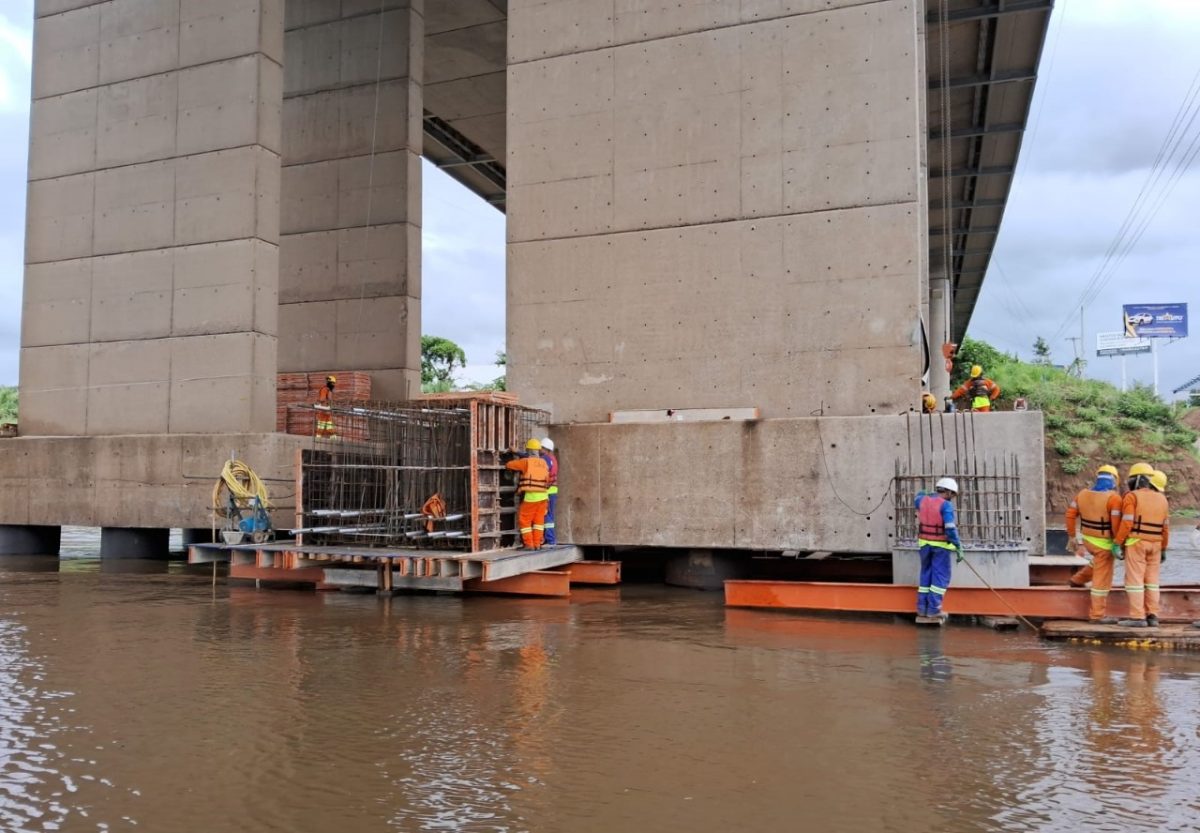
column 1178, row 605
column 980, row 130
column 982, row 203
column 993, row 170
column 938, row 232
column 997, row 9
column 304, row 575
column 526, row 561
column 594, row 572
column 1012, row 77
column 555, row 584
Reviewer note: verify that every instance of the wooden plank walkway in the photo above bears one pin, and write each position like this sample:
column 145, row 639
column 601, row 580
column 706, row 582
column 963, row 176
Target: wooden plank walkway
column 1172, row 637
column 390, row 570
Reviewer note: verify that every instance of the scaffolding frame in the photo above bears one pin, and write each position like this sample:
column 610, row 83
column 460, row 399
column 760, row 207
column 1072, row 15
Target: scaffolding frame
column 374, row 482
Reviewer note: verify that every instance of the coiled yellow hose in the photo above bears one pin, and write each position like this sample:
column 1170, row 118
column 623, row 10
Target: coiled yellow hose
column 242, row 483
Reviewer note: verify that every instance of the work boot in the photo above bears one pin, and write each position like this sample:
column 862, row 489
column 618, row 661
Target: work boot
column 1196, row 624
column 1103, row 620
column 1151, row 620
column 1132, row 623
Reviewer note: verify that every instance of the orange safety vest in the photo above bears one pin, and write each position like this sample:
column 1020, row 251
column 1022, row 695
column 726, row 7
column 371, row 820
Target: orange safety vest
column 929, row 519
column 1149, row 516
column 1094, row 513
column 535, row 475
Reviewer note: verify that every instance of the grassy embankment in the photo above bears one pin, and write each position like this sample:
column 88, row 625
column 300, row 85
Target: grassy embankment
column 1089, row 423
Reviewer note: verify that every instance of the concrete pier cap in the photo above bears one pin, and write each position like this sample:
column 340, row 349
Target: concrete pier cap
column 822, row 483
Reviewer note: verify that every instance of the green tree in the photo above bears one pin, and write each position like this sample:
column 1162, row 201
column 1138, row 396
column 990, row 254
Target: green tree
column 972, row 351
column 440, row 357
column 1041, row 351
column 8, row 404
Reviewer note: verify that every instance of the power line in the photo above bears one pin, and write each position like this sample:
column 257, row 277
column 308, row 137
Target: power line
column 1137, row 219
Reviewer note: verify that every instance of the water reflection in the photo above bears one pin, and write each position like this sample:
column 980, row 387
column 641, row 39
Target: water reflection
column 638, row 709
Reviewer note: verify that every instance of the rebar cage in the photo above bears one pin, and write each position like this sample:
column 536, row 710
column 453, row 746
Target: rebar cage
column 988, row 505
column 420, row 474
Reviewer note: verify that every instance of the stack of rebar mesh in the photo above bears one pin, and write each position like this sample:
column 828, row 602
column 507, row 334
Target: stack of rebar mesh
column 296, row 393
column 425, row 474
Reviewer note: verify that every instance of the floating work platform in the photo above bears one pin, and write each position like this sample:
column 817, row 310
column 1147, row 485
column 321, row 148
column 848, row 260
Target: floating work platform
column 520, row 571
column 1179, row 604
column 1171, row 637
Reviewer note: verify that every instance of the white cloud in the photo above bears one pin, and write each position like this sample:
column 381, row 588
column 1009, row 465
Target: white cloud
column 16, row 58
column 1112, row 80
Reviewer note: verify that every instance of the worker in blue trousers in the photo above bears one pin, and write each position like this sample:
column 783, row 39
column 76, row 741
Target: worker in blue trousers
column 937, row 536
column 552, row 462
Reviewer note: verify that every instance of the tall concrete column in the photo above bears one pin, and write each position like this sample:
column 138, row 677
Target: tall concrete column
column 939, row 334
column 350, row 281
column 151, row 278
column 716, row 205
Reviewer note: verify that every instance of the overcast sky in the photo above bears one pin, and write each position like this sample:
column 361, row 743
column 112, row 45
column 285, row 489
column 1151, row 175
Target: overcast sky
column 1113, row 75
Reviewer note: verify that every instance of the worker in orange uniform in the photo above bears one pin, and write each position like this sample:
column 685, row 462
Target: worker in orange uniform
column 551, row 504
column 1143, row 535
column 1091, row 518
column 325, row 426
column 983, row 392
column 531, row 492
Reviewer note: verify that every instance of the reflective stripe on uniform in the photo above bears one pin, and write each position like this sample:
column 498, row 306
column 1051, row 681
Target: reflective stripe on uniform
column 525, row 530
column 945, row 545
column 1151, row 586
column 1127, row 517
column 549, row 525
column 922, row 589
column 941, row 591
column 1102, row 543
column 1099, row 592
column 1138, row 589
column 539, row 527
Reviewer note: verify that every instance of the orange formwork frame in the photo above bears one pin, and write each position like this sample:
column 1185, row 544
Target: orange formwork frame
column 1178, row 604
column 594, row 572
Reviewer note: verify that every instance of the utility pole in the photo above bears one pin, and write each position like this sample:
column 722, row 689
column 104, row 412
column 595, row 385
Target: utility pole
column 1077, row 343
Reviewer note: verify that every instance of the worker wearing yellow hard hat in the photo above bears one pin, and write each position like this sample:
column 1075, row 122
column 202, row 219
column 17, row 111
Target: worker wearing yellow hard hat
column 1143, row 534
column 980, row 390
column 325, row 426
column 532, row 494
column 1091, row 519
column 928, row 403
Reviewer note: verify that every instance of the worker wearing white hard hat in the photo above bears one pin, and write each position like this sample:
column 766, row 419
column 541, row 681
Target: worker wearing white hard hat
column 937, row 536
column 551, row 458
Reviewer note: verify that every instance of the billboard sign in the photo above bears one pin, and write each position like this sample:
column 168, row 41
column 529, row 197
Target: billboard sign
column 1119, row 344
column 1155, row 320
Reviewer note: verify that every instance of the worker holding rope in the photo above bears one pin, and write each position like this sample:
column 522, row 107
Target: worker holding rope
column 938, row 538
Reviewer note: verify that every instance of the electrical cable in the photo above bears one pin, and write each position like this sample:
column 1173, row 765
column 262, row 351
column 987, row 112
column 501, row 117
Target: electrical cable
column 833, row 486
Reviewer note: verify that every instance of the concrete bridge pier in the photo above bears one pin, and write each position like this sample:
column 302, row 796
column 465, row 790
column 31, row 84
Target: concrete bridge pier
column 29, row 539
column 134, row 542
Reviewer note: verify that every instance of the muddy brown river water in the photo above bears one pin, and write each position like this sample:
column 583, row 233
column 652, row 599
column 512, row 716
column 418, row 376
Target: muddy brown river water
column 138, row 700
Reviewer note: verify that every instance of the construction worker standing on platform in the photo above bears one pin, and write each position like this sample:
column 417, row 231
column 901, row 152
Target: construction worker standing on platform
column 1143, row 535
column 531, row 494
column 325, row 426
column 1091, row 519
column 937, row 536
column 552, row 463
column 981, row 391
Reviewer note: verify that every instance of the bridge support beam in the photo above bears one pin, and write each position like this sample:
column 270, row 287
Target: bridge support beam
column 30, row 540
column 134, row 542
column 350, row 252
